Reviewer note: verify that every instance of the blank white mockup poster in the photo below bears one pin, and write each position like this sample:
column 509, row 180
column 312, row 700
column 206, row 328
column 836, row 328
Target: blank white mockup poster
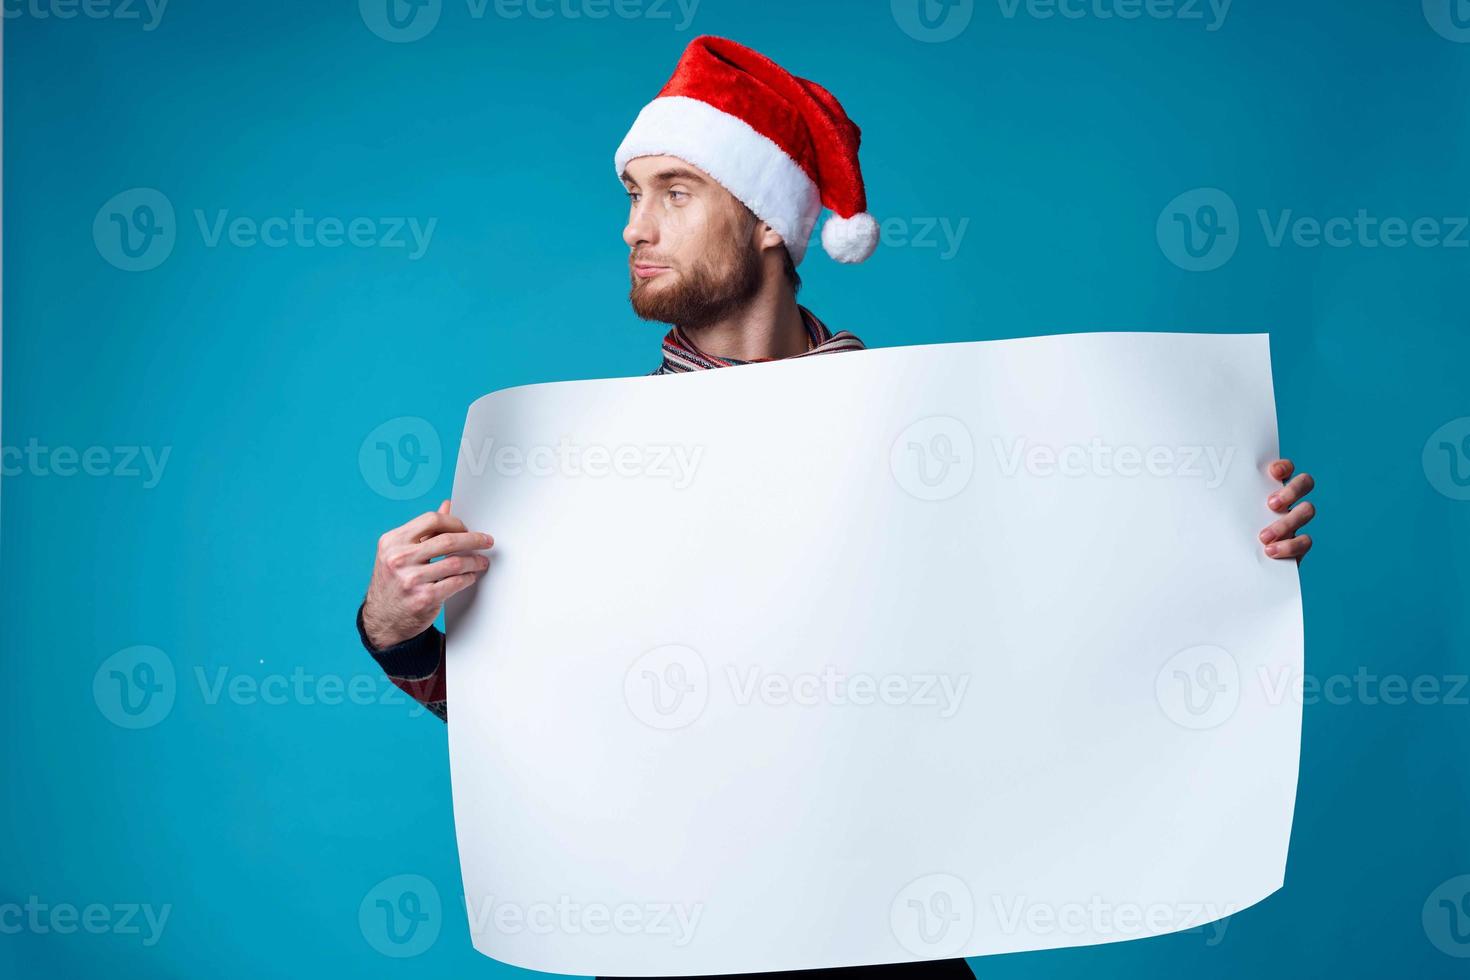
column 874, row 657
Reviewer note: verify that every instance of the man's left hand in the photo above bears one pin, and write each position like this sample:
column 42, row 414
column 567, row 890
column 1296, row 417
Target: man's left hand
column 1280, row 537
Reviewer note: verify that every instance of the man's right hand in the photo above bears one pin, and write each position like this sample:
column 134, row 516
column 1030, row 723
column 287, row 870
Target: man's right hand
column 409, row 587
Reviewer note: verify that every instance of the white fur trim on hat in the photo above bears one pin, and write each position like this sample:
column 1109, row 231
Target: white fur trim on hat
column 850, row 239
column 746, row 163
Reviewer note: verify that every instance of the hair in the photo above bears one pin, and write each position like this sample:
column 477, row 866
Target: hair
column 792, row 276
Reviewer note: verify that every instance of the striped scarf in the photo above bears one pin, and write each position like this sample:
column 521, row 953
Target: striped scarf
column 681, row 354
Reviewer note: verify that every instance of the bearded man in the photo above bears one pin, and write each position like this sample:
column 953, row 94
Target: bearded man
column 726, row 172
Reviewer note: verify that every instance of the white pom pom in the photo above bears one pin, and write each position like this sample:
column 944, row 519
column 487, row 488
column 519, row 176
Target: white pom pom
column 850, row 239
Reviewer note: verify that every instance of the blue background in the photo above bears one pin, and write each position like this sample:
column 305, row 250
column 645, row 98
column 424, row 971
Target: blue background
column 1058, row 141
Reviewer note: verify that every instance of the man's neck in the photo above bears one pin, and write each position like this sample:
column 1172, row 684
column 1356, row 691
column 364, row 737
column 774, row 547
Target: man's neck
column 770, row 326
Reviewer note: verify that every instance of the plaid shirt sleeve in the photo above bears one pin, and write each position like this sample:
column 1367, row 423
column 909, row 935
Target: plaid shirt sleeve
column 416, row 665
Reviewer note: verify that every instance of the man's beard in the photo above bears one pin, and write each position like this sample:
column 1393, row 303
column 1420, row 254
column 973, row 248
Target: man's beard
column 705, row 294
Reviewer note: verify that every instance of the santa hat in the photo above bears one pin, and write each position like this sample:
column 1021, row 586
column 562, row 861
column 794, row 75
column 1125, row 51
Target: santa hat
column 781, row 144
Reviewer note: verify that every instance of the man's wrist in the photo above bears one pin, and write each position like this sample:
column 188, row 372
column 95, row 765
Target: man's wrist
column 374, row 636
column 417, row 656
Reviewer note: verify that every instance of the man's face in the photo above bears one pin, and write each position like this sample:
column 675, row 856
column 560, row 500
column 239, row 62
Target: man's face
column 694, row 256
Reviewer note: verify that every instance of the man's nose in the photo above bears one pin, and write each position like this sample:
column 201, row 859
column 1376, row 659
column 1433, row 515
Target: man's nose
column 641, row 229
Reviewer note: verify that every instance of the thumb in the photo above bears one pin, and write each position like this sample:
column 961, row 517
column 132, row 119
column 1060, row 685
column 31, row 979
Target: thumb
column 444, row 507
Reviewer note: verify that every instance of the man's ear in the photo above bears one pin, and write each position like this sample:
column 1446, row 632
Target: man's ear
column 768, row 237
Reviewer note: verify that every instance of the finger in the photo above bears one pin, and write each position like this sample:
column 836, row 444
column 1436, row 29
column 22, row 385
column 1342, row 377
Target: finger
column 447, row 524
column 451, row 543
column 1291, row 547
column 1280, row 469
column 444, row 507
column 1289, row 524
column 427, row 524
column 444, row 588
column 454, row 565
column 1299, row 487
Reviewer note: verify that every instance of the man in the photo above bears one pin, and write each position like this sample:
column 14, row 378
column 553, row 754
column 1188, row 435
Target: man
column 726, row 172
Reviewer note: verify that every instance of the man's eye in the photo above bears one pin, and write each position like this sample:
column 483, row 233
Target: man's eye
column 633, row 196
column 678, row 194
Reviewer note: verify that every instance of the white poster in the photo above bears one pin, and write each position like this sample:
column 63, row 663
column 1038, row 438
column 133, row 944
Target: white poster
column 874, row 657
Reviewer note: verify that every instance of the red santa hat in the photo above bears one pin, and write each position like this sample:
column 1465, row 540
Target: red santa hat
column 782, row 145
